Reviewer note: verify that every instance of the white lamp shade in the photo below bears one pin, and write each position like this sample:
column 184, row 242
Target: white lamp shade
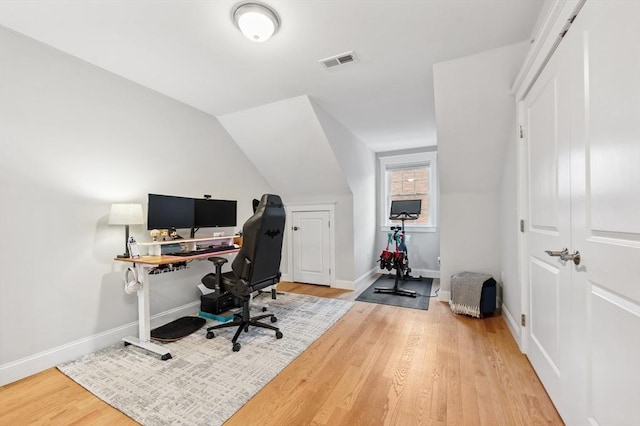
column 256, row 21
column 126, row 214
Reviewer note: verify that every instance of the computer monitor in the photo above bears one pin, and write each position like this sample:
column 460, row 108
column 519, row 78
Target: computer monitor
column 167, row 211
column 215, row 213
column 407, row 209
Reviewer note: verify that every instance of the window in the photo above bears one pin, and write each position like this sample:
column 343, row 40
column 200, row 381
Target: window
column 409, row 177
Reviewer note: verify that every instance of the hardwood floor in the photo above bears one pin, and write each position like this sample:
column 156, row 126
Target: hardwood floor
column 378, row 365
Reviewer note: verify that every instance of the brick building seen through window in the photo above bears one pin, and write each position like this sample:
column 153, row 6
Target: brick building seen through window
column 410, row 184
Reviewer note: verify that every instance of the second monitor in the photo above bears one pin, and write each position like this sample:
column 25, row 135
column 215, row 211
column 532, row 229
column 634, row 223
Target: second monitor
column 215, row 213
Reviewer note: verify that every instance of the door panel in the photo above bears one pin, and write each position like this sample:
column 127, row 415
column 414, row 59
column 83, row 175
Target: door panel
column 614, row 352
column 605, row 183
column 547, row 121
column 613, row 103
column 611, row 163
column 311, row 247
column 310, row 255
column 543, row 140
column 593, row 374
column 545, row 296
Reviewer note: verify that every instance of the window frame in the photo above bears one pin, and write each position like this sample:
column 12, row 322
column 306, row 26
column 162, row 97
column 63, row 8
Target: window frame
column 409, row 160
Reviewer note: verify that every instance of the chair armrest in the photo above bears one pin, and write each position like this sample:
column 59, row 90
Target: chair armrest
column 214, row 280
column 218, row 260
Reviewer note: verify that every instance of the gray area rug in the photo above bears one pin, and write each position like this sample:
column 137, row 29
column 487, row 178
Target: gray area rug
column 205, row 383
column 421, row 301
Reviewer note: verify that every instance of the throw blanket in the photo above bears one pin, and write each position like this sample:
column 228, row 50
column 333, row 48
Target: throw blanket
column 466, row 291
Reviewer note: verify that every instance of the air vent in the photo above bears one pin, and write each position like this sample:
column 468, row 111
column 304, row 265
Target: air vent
column 341, row 59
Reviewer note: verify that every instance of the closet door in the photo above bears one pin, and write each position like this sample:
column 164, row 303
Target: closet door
column 605, row 188
column 583, row 138
column 547, row 120
column 311, row 247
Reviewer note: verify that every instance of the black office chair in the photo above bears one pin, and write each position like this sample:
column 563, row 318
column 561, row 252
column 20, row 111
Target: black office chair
column 256, row 266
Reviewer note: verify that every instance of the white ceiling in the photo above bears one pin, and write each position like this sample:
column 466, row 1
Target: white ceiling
column 191, row 51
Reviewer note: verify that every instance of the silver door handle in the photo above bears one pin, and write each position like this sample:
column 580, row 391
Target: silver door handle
column 565, row 255
column 559, row 254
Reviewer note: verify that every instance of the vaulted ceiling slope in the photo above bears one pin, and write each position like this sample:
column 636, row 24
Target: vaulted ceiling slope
column 287, row 144
column 191, row 51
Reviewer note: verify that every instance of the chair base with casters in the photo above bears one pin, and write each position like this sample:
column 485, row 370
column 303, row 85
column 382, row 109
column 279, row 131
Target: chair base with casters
column 241, row 321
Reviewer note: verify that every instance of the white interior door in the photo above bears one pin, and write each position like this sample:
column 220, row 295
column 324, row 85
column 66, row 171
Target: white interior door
column 311, row 247
column 547, row 120
column 583, row 118
column 605, row 187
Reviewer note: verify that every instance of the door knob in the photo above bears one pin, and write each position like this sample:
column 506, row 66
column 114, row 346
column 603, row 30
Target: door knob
column 565, row 255
column 575, row 257
column 295, row 228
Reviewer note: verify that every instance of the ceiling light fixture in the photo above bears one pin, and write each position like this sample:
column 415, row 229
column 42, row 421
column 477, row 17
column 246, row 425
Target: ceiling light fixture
column 256, row 21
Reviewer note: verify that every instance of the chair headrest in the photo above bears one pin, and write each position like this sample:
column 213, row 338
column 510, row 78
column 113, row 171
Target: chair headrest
column 270, row 200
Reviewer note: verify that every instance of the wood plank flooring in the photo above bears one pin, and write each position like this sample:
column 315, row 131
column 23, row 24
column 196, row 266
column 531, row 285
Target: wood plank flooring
column 379, row 365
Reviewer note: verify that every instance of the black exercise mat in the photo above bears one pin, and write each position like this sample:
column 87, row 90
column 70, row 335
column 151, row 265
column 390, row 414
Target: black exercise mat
column 421, row 287
column 177, row 329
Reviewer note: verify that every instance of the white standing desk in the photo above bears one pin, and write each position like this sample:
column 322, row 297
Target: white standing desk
column 142, row 266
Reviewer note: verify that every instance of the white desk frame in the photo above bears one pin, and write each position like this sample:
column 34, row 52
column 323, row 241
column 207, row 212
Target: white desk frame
column 143, row 265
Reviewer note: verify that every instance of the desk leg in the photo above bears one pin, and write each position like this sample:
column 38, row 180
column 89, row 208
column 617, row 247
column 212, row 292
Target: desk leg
column 144, row 318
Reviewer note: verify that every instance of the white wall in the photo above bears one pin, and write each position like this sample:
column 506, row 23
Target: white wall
column 286, row 143
column 74, row 139
column 475, row 117
column 358, row 163
column 470, row 236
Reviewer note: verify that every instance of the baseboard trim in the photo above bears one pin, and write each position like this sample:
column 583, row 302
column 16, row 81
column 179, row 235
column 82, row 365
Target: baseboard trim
column 512, row 324
column 347, row 285
column 25, row 367
column 285, row 277
column 444, row 296
column 343, row 284
column 353, row 285
column 425, row 273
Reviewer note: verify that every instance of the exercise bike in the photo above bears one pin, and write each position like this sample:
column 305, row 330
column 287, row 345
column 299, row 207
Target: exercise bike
column 399, row 259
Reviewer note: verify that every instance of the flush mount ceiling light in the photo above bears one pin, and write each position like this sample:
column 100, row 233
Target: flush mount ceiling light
column 256, row 21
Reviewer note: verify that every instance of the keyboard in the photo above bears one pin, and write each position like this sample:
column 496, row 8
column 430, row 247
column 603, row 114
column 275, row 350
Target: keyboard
column 212, row 249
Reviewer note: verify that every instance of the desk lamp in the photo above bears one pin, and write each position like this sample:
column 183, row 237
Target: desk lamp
column 126, row 214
